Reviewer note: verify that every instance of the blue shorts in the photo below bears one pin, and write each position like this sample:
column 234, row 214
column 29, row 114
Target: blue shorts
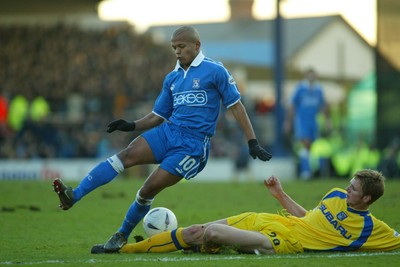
column 178, row 151
column 306, row 130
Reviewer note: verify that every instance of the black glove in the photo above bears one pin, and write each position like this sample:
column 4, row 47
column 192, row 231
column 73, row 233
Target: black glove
column 258, row 152
column 121, row 125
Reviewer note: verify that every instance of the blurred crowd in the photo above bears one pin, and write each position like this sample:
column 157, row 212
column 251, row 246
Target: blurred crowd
column 61, row 85
column 334, row 155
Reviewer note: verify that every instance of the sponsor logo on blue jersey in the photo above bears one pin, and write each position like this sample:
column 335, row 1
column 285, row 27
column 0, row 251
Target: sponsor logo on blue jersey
column 190, row 98
column 196, row 84
column 335, row 223
column 341, row 216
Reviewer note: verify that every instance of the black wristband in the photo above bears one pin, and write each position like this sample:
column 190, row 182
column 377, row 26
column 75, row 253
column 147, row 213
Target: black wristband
column 252, row 142
column 132, row 125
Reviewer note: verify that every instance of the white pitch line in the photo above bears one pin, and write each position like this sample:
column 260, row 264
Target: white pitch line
column 210, row 258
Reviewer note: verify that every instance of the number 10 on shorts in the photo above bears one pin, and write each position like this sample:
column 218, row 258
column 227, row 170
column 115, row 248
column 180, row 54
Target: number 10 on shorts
column 186, row 165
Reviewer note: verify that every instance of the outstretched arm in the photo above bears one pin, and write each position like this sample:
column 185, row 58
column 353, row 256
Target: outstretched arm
column 275, row 188
column 255, row 150
column 149, row 121
column 240, row 114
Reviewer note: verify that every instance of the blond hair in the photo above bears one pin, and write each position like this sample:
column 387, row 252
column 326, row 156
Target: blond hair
column 372, row 183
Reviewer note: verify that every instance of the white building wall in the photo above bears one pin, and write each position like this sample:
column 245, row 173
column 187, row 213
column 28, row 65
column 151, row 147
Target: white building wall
column 338, row 53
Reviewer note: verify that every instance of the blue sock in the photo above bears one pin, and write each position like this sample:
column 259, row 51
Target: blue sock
column 135, row 214
column 103, row 173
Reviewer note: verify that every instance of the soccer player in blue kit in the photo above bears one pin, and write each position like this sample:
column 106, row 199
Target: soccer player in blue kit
column 307, row 101
column 178, row 133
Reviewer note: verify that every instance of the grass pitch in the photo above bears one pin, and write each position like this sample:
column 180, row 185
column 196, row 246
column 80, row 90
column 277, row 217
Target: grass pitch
column 35, row 232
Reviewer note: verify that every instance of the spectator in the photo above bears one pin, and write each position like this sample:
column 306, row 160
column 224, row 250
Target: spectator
column 39, row 109
column 18, row 112
column 3, row 115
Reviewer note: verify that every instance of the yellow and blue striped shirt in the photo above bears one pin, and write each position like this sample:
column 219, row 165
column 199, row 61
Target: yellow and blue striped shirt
column 334, row 226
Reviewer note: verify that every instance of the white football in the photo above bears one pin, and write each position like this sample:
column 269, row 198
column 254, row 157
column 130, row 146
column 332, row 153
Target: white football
column 159, row 220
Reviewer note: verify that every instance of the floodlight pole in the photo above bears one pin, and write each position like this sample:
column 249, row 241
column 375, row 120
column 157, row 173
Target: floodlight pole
column 278, row 73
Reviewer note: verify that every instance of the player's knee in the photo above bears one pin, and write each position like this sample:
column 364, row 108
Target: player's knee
column 193, row 234
column 123, row 155
column 129, row 157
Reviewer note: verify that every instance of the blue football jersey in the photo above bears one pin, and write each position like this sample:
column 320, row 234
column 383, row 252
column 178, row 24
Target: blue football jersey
column 191, row 99
column 307, row 101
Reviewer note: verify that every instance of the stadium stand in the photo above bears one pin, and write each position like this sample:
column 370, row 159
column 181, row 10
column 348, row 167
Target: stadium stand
column 82, row 78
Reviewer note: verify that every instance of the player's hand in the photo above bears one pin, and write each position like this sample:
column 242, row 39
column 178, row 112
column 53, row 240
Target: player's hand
column 274, row 186
column 256, row 151
column 121, row 125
